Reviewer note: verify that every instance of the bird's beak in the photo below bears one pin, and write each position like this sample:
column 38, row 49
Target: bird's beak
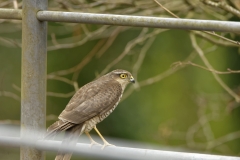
column 132, row 80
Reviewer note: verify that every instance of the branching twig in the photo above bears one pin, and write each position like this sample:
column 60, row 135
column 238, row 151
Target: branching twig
column 224, row 139
column 220, row 41
column 79, row 43
column 110, row 41
column 10, row 42
column 128, row 47
column 156, row 78
column 211, row 33
column 201, row 54
column 177, row 64
column 142, row 37
column 10, row 95
column 141, row 57
column 62, row 79
column 223, row 5
column 85, row 61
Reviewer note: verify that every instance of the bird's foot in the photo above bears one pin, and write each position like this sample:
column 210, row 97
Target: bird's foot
column 94, row 143
column 106, row 144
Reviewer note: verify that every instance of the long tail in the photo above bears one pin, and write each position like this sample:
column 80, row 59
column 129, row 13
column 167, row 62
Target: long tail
column 70, row 139
column 57, row 127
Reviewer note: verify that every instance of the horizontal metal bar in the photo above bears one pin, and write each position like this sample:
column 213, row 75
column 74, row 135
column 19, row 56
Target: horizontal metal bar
column 139, row 21
column 109, row 152
column 10, row 14
column 125, row 20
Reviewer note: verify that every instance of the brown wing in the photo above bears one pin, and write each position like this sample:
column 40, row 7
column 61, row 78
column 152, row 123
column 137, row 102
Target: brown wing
column 92, row 99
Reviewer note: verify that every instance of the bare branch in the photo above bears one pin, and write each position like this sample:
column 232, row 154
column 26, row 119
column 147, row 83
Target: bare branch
column 156, row 78
column 10, row 95
column 79, row 43
column 15, row 4
column 54, row 40
column 211, row 33
column 166, row 9
column 220, row 41
column 110, row 41
column 223, row 5
column 9, row 42
column 177, row 64
column 141, row 57
column 128, row 47
column 85, row 61
column 224, row 139
column 131, row 44
column 60, row 95
column 16, row 87
column 201, row 54
column 62, row 79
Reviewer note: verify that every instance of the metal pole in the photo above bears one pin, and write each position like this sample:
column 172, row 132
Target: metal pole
column 33, row 83
column 111, row 152
column 10, row 13
column 125, row 20
column 139, row 21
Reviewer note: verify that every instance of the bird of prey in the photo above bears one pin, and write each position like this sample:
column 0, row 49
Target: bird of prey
column 91, row 104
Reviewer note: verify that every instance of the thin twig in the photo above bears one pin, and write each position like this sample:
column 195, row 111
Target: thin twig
column 157, row 78
column 220, row 41
column 224, row 139
column 62, row 79
column 223, row 5
column 79, row 43
column 60, row 95
column 10, row 95
column 141, row 57
column 211, row 33
column 79, row 66
column 110, row 41
column 131, row 44
column 204, row 59
column 9, row 42
column 177, row 64
column 15, row 4
column 174, row 15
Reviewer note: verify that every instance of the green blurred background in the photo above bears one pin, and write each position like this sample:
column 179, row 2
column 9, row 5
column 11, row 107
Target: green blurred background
column 181, row 107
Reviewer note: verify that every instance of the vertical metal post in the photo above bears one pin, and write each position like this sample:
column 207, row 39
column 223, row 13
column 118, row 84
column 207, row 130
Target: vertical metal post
column 33, row 83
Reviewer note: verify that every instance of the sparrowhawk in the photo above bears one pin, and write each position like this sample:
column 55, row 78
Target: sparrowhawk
column 91, row 104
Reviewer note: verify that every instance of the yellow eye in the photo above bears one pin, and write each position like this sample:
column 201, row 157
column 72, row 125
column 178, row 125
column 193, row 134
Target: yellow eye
column 123, row 76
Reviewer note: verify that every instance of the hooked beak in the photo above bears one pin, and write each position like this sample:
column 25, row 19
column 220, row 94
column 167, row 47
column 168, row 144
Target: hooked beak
column 132, row 80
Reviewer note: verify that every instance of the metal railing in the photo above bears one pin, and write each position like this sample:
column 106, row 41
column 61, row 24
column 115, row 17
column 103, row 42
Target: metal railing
column 126, row 20
column 96, row 151
column 34, row 50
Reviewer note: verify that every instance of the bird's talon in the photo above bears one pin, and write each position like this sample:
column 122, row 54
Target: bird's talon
column 94, row 143
column 106, row 145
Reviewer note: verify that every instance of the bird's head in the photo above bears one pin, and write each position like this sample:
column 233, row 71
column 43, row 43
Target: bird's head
column 122, row 76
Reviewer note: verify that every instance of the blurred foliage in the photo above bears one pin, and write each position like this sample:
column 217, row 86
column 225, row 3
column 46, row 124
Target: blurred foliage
column 178, row 105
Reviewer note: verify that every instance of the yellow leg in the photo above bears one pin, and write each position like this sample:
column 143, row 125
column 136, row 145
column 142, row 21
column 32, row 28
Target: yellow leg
column 104, row 141
column 92, row 141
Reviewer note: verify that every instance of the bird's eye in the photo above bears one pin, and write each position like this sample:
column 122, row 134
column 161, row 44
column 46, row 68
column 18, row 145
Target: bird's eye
column 123, row 76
